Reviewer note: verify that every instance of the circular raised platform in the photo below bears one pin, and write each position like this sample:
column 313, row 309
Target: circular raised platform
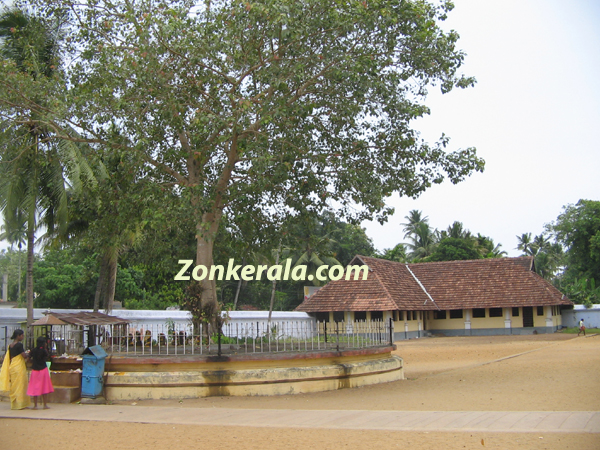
column 177, row 377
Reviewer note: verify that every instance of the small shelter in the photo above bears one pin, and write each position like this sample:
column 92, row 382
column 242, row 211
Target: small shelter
column 81, row 329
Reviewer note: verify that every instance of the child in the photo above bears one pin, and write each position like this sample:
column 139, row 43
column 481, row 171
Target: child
column 581, row 327
column 39, row 382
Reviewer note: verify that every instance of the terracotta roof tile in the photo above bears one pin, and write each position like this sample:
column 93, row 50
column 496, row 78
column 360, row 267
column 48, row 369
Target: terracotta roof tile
column 482, row 283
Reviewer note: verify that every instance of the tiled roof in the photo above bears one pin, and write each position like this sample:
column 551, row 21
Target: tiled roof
column 481, row 283
column 350, row 295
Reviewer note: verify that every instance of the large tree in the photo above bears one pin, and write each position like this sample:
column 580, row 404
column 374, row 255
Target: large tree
column 578, row 230
column 272, row 105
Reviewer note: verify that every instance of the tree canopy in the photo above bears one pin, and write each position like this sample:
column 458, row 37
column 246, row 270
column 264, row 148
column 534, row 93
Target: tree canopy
column 270, row 106
column 577, row 229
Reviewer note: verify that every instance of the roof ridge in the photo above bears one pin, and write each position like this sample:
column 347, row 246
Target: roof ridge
column 457, row 261
column 422, row 287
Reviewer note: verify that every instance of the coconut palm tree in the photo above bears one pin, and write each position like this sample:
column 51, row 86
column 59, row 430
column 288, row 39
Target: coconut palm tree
column 487, row 248
column 413, row 221
column 33, row 186
column 526, row 244
column 422, row 241
column 457, row 230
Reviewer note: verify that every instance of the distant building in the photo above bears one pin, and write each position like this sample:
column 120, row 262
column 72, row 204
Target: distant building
column 453, row 298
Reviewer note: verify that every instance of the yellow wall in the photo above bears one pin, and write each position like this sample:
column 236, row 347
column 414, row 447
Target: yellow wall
column 517, row 322
column 487, row 322
column 413, row 325
column 447, row 323
column 428, row 323
column 539, row 321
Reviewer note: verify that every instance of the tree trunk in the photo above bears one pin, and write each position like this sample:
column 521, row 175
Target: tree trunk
column 237, row 292
column 273, row 292
column 20, row 274
column 112, row 282
column 29, row 277
column 100, row 286
column 204, row 253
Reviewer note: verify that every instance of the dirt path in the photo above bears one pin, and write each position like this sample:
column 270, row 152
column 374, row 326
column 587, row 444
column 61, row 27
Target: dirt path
column 554, row 373
column 453, row 374
column 27, row 434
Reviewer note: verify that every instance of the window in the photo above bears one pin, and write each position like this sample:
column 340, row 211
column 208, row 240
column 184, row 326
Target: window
column 540, row 310
column 408, row 315
column 439, row 314
column 376, row 315
column 495, row 312
column 415, row 315
column 338, row 316
column 515, row 312
column 478, row 312
column 322, row 316
column 456, row 313
column 360, row 315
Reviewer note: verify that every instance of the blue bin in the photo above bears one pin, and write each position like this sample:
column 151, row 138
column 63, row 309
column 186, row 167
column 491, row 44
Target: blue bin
column 92, row 373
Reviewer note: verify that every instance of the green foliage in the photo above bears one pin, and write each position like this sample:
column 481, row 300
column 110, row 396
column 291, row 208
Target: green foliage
column 582, row 291
column 454, row 249
column 12, row 263
column 64, row 280
column 264, row 110
column 578, row 230
column 459, row 243
column 398, row 254
column 348, row 239
column 575, row 330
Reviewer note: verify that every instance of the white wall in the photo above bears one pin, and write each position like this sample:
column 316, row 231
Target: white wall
column 590, row 316
column 240, row 323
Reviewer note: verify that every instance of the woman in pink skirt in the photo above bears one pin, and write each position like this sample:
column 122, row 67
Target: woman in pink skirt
column 39, row 382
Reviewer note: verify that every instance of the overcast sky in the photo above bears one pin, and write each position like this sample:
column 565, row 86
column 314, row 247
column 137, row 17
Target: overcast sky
column 534, row 116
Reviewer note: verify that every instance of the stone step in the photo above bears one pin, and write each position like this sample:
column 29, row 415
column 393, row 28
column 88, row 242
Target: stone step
column 65, row 378
column 65, row 394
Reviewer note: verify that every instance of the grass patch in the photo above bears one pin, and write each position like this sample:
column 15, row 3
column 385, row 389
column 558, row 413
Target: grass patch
column 575, row 330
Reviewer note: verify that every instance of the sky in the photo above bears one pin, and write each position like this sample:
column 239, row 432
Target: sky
column 534, row 116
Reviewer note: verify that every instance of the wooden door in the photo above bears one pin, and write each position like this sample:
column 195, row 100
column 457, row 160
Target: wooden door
column 527, row 316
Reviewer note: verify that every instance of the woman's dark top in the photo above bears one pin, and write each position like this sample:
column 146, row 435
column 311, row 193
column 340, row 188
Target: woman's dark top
column 16, row 350
column 39, row 356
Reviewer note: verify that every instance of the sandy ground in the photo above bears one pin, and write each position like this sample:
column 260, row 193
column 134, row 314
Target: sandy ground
column 551, row 373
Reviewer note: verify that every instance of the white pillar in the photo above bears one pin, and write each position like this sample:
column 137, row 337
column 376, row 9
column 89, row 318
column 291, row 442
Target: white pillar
column 348, row 319
column 507, row 320
column 467, row 319
column 549, row 316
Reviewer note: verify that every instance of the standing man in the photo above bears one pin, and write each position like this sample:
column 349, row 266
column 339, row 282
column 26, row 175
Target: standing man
column 581, row 328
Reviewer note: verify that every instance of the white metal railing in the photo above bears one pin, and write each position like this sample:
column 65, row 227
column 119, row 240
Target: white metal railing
column 235, row 338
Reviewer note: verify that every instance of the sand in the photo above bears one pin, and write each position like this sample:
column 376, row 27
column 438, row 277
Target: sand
column 549, row 373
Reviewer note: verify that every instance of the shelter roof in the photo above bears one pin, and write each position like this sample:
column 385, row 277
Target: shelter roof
column 482, row 283
column 49, row 320
column 88, row 318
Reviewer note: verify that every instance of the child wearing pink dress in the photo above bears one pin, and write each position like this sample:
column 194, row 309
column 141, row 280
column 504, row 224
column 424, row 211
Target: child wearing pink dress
column 39, row 382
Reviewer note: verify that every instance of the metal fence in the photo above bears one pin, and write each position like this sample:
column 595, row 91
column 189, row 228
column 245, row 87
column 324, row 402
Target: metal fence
column 6, row 332
column 235, row 338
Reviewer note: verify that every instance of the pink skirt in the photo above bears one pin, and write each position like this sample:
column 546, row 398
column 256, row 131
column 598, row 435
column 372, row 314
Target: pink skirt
column 39, row 383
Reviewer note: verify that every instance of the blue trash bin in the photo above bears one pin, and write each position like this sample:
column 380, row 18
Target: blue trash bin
column 92, row 373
